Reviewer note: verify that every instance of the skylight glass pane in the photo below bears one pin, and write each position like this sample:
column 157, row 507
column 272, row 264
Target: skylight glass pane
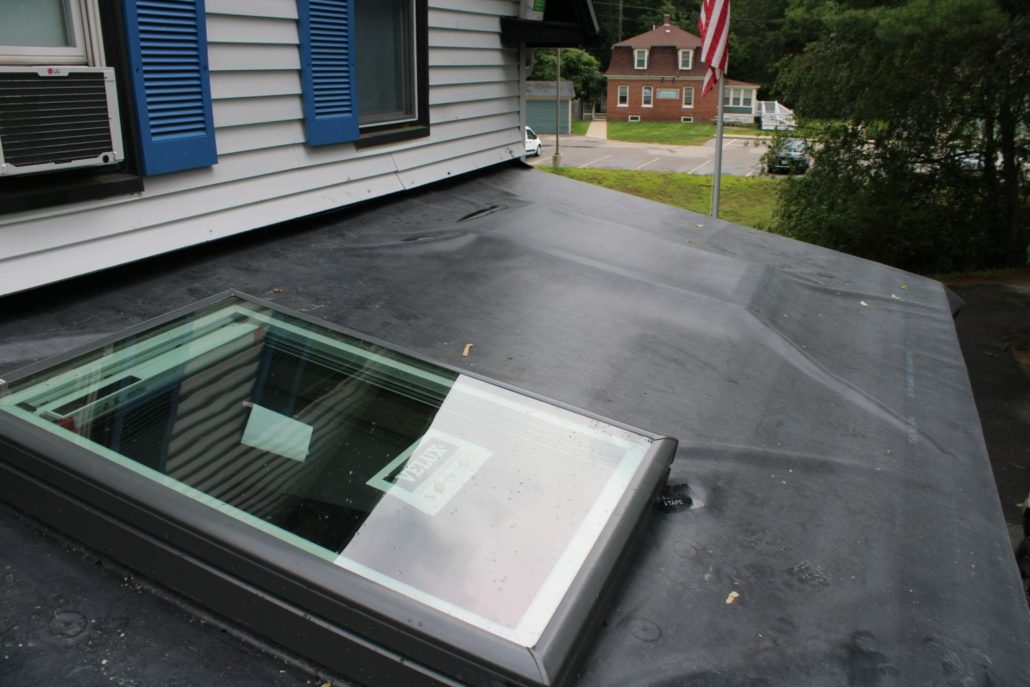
column 469, row 498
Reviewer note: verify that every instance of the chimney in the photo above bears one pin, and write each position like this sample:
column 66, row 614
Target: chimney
column 666, row 20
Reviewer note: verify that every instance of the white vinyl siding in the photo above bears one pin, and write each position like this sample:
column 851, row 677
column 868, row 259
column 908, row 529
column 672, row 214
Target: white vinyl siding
column 640, row 58
column 623, row 96
column 266, row 173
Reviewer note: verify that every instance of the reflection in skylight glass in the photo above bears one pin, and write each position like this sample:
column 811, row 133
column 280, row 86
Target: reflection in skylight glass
column 470, row 498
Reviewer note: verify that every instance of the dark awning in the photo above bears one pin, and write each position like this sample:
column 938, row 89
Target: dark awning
column 564, row 25
column 845, row 526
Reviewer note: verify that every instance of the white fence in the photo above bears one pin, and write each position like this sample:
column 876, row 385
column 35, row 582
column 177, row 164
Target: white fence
column 775, row 115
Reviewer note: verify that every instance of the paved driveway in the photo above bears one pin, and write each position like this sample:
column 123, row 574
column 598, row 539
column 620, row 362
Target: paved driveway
column 741, row 156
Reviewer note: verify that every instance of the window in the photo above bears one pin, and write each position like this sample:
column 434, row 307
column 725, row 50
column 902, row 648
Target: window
column 623, row 96
column 364, row 70
column 387, row 62
column 55, row 52
column 42, row 31
column 166, row 77
column 647, row 96
column 686, row 59
column 640, row 59
column 634, row 118
column 738, row 97
column 688, row 96
column 353, row 472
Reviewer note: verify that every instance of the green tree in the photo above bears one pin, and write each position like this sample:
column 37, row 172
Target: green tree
column 922, row 165
column 759, row 40
column 577, row 66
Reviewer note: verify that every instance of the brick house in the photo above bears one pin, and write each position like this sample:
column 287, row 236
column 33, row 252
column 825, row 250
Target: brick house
column 657, row 76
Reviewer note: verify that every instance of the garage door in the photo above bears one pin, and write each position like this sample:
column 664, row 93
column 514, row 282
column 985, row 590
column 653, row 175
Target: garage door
column 540, row 116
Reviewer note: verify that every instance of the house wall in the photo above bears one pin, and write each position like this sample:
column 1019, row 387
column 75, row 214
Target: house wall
column 661, row 61
column 265, row 172
column 663, row 110
column 663, row 73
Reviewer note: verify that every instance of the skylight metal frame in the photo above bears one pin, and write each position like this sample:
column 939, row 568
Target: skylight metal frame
column 319, row 610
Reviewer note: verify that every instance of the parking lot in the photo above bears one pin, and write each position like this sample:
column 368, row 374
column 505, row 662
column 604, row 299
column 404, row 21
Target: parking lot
column 741, row 156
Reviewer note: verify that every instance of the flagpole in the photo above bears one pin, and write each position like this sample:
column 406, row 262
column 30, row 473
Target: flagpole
column 714, row 26
column 717, row 174
column 556, row 159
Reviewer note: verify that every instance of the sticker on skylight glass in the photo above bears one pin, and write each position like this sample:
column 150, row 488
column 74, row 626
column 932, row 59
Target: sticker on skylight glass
column 431, row 471
column 275, row 433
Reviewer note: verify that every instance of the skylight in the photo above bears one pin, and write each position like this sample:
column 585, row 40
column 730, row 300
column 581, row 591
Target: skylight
column 453, row 512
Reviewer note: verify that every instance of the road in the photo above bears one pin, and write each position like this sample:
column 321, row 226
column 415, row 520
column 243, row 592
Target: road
column 741, row 156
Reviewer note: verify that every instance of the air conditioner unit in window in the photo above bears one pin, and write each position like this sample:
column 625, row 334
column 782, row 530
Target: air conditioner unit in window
column 57, row 117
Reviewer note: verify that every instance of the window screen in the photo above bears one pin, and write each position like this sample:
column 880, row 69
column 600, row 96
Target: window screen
column 385, row 39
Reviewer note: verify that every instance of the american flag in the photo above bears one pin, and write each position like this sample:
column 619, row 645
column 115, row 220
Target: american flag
column 714, row 26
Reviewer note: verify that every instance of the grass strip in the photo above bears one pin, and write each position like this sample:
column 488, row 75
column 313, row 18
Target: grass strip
column 750, row 201
column 580, row 126
column 672, row 133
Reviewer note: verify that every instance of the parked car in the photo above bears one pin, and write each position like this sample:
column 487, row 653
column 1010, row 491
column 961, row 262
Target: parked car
column 787, row 155
column 532, row 143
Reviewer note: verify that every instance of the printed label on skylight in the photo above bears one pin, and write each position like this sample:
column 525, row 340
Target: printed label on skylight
column 431, row 471
column 270, row 431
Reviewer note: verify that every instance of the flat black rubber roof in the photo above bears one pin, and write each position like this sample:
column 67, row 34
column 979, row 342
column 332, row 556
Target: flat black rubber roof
column 845, row 526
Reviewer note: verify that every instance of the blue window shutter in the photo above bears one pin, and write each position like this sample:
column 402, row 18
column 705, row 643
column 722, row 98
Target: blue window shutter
column 327, row 70
column 167, row 46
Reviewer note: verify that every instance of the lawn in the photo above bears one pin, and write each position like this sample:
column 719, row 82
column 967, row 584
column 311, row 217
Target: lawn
column 673, row 133
column 580, row 126
column 749, row 201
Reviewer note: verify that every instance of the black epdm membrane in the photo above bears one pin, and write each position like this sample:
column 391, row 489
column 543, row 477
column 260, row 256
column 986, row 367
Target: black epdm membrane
column 831, row 517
